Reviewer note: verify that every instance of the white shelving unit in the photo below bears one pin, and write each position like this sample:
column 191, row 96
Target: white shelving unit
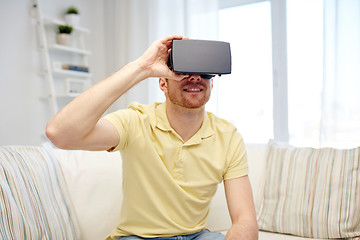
column 62, row 84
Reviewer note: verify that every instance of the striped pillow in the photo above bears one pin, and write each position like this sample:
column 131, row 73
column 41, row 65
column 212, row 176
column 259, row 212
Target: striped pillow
column 32, row 196
column 310, row 192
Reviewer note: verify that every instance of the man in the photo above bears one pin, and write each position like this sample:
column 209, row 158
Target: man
column 174, row 153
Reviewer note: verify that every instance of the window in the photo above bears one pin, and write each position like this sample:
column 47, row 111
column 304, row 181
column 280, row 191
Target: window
column 296, row 80
column 305, row 69
column 246, row 96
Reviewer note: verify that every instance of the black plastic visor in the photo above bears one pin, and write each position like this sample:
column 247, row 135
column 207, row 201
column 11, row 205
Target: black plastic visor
column 204, row 57
column 206, row 76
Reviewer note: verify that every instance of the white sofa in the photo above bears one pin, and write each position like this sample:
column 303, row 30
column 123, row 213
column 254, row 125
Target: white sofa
column 94, row 183
column 92, row 193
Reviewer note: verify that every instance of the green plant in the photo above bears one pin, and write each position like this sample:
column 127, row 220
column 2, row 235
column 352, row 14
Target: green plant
column 65, row 29
column 72, row 10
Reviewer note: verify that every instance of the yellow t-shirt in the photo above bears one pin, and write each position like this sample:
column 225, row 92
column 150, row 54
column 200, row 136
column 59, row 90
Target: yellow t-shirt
column 168, row 184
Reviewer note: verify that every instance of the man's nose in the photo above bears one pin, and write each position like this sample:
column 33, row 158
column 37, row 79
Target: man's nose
column 194, row 77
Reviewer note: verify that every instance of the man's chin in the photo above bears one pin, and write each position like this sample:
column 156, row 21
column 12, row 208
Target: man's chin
column 189, row 103
column 192, row 105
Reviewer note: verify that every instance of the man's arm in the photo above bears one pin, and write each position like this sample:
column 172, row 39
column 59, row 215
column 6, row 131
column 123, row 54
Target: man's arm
column 78, row 125
column 241, row 208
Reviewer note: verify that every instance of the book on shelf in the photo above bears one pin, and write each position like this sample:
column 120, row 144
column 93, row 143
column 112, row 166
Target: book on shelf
column 75, row 68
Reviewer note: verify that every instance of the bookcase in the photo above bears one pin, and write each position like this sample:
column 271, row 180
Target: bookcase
column 65, row 68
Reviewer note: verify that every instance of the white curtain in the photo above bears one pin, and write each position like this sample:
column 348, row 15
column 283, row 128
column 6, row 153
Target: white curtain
column 132, row 25
column 340, row 122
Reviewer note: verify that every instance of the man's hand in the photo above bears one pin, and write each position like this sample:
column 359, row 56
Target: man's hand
column 154, row 60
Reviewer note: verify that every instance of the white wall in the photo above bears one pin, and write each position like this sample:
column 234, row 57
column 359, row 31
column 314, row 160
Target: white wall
column 120, row 32
column 22, row 114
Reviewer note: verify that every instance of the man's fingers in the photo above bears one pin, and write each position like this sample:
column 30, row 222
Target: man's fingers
column 169, row 38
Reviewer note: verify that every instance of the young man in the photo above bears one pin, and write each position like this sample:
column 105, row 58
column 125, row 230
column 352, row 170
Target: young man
column 174, row 153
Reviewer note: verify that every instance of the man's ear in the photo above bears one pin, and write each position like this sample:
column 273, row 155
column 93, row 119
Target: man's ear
column 163, row 84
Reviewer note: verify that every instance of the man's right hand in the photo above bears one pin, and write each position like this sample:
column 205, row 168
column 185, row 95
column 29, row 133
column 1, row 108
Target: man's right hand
column 154, row 60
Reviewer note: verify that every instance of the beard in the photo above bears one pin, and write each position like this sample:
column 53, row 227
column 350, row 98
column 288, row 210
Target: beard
column 187, row 99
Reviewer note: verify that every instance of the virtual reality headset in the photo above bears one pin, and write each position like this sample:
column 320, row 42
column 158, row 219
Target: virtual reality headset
column 207, row 58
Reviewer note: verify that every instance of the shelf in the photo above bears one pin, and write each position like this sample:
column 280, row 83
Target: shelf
column 72, row 95
column 69, row 49
column 50, row 21
column 71, row 73
column 63, row 84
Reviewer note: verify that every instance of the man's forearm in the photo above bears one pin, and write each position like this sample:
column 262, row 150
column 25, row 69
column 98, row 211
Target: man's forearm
column 242, row 210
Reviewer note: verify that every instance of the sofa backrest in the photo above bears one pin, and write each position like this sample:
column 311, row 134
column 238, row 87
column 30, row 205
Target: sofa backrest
column 94, row 181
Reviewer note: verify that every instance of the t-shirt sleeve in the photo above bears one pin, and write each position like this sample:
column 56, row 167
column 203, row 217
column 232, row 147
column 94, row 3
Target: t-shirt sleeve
column 237, row 165
column 123, row 121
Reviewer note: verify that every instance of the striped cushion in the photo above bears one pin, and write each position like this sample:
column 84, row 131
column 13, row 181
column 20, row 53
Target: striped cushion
column 310, row 192
column 32, row 196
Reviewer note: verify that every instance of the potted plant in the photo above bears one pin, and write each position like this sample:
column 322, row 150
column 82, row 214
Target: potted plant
column 72, row 16
column 63, row 37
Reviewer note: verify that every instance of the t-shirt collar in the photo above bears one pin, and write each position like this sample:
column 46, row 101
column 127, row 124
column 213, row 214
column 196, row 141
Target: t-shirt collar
column 163, row 124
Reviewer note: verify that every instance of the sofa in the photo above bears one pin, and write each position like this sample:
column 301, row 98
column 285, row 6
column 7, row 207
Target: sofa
column 48, row 193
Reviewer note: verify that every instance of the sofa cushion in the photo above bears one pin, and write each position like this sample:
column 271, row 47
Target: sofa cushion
column 94, row 180
column 310, row 192
column 33, row 198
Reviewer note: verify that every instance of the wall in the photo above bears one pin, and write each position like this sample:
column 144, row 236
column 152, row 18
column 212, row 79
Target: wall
column 23, row 115
column 120, row 32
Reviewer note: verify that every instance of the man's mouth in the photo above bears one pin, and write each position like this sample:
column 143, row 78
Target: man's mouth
column 193, row 90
